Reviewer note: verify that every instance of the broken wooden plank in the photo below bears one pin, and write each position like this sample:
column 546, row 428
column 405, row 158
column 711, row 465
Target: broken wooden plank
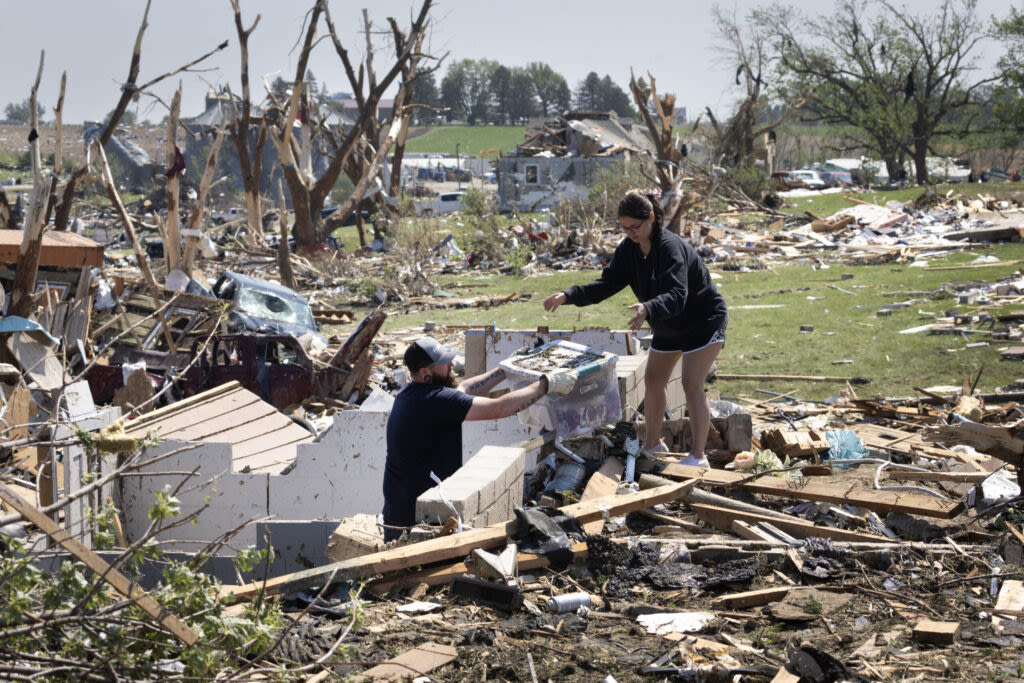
column 755, row 598
column 791, row 378
column 448, row 547
column 602, row 483
column 818, row 489
column 94, row 562
column 745, row 530
column 443, row 575
column 961, row 477
column 414, row 663
column 794, row 444
column 998, row 442
column 722, row 518
column 936, row 632
column 1010, row 600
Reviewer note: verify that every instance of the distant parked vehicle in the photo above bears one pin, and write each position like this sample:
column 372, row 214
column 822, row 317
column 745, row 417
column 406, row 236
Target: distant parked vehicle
column 836, row 178
column 811, row 179
column 351, row 220
column 445, row 203
column 998, row 175
column 232, row 214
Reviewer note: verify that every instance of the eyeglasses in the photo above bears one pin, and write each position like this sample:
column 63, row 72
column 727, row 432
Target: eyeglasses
column 635, row 226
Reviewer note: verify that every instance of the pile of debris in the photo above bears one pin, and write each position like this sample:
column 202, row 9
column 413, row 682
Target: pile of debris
column 846, row 544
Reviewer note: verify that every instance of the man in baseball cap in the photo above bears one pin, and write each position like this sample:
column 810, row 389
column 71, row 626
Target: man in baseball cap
column 424, row 432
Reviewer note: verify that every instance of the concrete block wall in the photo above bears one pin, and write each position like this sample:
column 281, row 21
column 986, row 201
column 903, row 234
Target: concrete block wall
column 483, row 491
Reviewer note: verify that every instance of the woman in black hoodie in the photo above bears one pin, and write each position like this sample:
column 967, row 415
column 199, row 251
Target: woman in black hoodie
column 680, row 303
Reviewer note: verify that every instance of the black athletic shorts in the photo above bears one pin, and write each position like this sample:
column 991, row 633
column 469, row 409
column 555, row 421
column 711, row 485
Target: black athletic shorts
column 712, row 333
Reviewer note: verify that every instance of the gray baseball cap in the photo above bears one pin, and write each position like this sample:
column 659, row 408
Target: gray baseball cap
column 427, row 351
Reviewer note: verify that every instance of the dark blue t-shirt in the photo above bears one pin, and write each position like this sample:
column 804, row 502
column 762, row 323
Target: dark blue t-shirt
column 424, row 435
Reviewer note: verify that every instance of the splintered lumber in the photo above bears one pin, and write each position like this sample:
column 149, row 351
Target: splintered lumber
column 1010, row 600
column 415, row 663
column 602, row 483
column 443, row 575
column 936, row 632
column 821, row 225
column 756, row 598
column 961, row 477
column 792, row 378
column 119, row 581
column 448, row 547
column 748, row 531
column 999, row 442
column 723, row 518
column 819, row 489
column 793, row 444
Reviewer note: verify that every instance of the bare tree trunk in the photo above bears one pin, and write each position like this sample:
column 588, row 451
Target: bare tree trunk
column 31, row 241
column 140, row 255
column 284, row 261
column 409, row 76
column 172, row 243
column 198, row 209
column 252, row 166
column 308, row 198
column 58, row 152
column 667, row 146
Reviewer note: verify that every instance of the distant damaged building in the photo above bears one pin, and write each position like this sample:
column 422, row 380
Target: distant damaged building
column 559, row 157
column 133, row 165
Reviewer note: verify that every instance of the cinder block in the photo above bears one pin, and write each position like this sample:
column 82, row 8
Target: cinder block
column 431, row 510
column 515, row 496
column 501, row 511
column 464, row 497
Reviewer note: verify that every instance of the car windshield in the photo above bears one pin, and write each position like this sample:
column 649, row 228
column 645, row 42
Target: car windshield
column 270, row 306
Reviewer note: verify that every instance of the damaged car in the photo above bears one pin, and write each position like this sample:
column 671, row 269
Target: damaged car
column 262, row 306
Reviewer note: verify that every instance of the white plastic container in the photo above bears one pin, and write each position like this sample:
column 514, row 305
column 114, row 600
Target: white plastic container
column 594, row 400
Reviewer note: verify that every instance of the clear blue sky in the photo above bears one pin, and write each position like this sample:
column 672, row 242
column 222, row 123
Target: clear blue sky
column 92, row 41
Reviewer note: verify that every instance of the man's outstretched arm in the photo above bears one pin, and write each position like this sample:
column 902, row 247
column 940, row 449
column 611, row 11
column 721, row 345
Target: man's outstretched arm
column 484, row 408
column 481, row 385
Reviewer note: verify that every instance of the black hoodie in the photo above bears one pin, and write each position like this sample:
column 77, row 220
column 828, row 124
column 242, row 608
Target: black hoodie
column 671, row 282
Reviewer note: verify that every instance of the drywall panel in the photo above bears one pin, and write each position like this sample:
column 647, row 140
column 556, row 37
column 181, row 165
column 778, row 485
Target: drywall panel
column 200, row 477
column 339, row 475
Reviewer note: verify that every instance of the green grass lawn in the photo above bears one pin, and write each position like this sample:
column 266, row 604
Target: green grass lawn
column 768, row 341
column 471, row 140
column 825, row 205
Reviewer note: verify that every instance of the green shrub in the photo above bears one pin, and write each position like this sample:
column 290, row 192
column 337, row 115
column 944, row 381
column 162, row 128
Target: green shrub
column 477, row 202
column 752, row 180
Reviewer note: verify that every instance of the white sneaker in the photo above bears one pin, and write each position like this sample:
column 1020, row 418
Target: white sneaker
column 661, row 447
column 690, row 460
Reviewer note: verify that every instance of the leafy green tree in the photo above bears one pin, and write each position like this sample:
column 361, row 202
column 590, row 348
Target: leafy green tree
column 901, row 80
column 20, row 112
column 594, row 93
column 466, row 89
column 588, row 93
column 501, row 90
column 1007, row 97
column 615, row 98
column 424, row 92
column 550, row 88
column 521, row 104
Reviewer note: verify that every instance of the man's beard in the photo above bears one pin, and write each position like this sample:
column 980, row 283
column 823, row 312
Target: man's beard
column 445, row 380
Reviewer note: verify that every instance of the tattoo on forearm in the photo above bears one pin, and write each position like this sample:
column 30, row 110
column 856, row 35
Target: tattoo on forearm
column 492, row 376
column 528, row 402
